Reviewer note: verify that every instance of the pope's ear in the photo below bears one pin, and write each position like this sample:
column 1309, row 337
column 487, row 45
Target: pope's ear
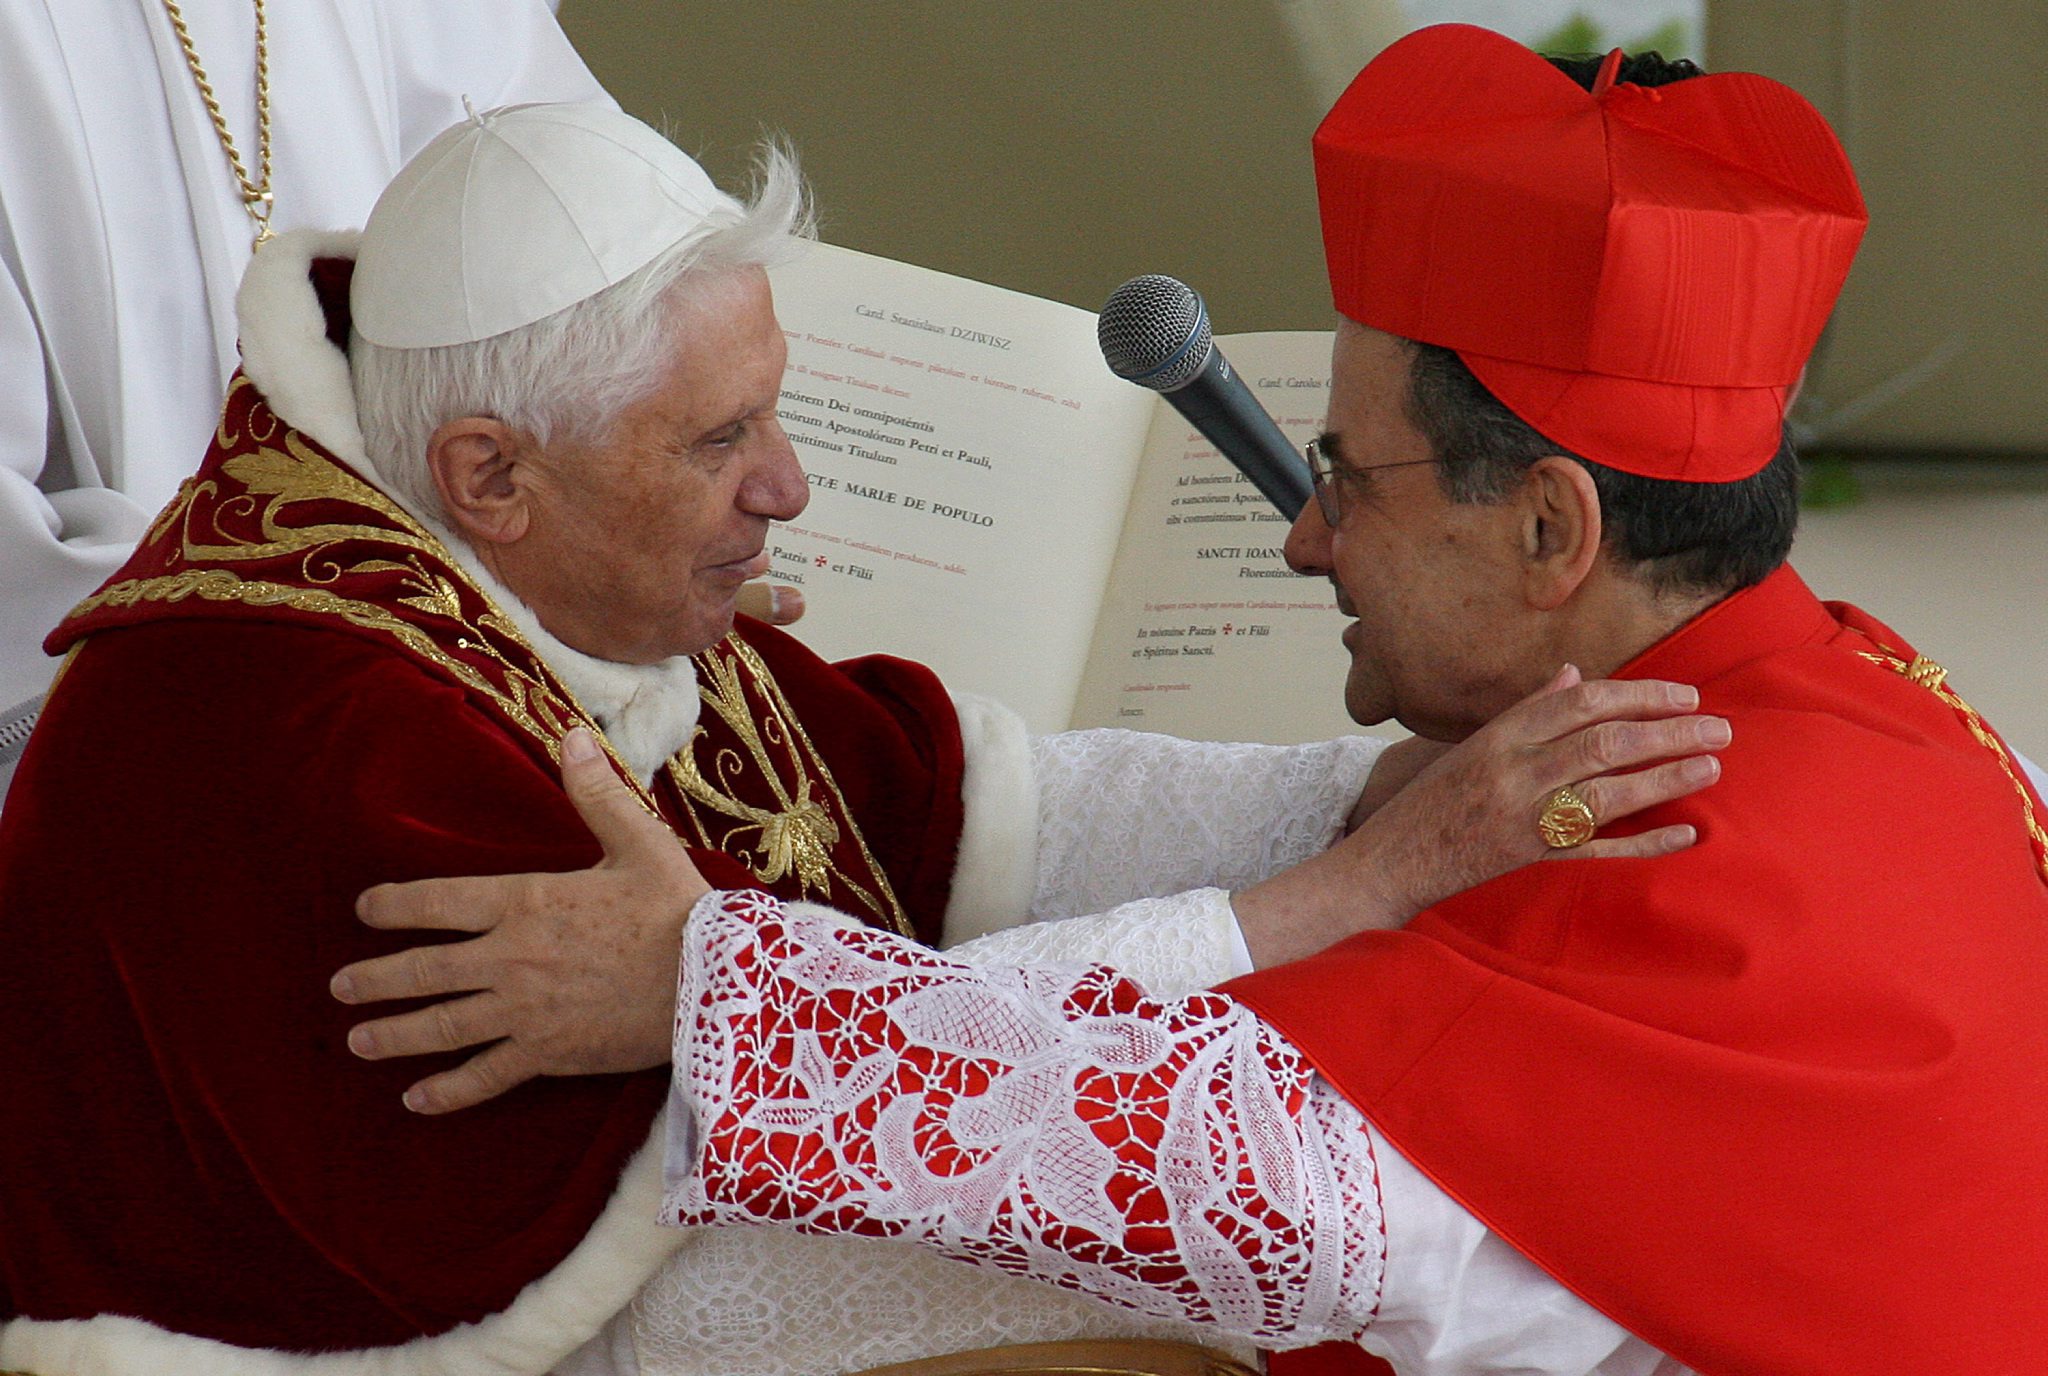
column 476, row 466
column 1560, row 530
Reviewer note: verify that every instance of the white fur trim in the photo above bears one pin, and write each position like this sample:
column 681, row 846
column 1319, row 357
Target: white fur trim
column 548, row 1320
column 997, row 872
column 285, row 348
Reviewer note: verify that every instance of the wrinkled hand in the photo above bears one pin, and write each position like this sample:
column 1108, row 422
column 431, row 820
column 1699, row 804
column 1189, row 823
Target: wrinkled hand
column 1393, row 771
column 573, row 974
column 778, row 604
column 1470, row 815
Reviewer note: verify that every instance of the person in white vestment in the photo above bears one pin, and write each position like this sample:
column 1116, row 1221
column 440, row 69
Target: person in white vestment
column 123, row 237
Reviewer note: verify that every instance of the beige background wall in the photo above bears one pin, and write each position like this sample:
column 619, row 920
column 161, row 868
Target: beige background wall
column 1944, row 110
column 1940, row 345
column 1055, row 147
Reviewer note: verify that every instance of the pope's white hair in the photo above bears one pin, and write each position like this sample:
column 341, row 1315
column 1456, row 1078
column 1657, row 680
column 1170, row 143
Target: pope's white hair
column 564, row 377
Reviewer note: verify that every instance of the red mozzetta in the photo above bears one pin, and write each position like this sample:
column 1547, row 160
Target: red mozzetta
column 289, row 694
column 1775, row 1104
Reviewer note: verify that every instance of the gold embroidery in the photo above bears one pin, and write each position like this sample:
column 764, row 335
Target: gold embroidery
column 287, row 477
column 222, row 585
column 275, row 479
column 188, row 491
column 800, row 834
column 535, row 707
column 1934, row 679
column 223, row 438
column 798, row 838
column 1926, row 673
column 50, row 693
column 260, row 414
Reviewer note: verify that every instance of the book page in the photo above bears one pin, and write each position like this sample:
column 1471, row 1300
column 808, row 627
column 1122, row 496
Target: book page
column 1205, row 632
column 970, row 456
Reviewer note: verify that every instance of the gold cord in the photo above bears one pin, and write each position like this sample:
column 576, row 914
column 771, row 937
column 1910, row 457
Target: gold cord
column 255, row 194
column 1931, row 676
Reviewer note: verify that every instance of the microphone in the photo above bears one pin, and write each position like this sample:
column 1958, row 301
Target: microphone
column 1154, row 331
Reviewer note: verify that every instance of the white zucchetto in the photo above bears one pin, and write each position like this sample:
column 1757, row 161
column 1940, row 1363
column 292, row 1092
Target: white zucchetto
column 517, row 213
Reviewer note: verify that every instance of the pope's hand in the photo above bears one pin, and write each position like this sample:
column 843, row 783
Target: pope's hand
column 778, row 604
column 1393, row 771
column 1467, row 813
column 571, row 974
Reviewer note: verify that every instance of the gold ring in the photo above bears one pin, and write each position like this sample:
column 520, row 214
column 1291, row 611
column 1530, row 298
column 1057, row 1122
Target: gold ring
column 1566, row 821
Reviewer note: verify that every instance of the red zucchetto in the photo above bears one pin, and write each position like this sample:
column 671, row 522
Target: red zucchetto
column 1638, row 273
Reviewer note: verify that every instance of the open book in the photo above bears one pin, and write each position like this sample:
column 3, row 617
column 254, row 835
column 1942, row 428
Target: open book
column 989, row 498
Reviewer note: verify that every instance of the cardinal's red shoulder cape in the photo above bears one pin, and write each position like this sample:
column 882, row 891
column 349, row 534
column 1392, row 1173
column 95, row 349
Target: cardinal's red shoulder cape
column 1778, row 1104
column 289, row 693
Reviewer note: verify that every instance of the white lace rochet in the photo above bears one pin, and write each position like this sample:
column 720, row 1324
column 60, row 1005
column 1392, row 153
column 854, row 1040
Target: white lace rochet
column 1053, row 1121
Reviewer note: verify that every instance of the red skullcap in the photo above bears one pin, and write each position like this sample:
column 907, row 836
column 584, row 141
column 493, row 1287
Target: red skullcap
column 1639, row 274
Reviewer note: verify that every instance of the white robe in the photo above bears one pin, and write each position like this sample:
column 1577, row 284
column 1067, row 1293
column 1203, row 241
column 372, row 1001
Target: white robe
column 123, row 237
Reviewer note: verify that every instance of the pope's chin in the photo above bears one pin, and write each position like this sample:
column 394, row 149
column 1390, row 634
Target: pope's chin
column 716, row 603
column 719, row 584
column 708, row 621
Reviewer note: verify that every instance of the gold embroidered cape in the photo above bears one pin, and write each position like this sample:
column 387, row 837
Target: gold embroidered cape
column 274, row 526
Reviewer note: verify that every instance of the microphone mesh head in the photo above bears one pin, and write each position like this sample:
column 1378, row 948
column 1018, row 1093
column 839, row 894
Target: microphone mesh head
column 1154, row 331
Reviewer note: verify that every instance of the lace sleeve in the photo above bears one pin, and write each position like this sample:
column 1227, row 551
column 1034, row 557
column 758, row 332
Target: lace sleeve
column 1123, row 814
column 1171, row 946
column 1174, row 1158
